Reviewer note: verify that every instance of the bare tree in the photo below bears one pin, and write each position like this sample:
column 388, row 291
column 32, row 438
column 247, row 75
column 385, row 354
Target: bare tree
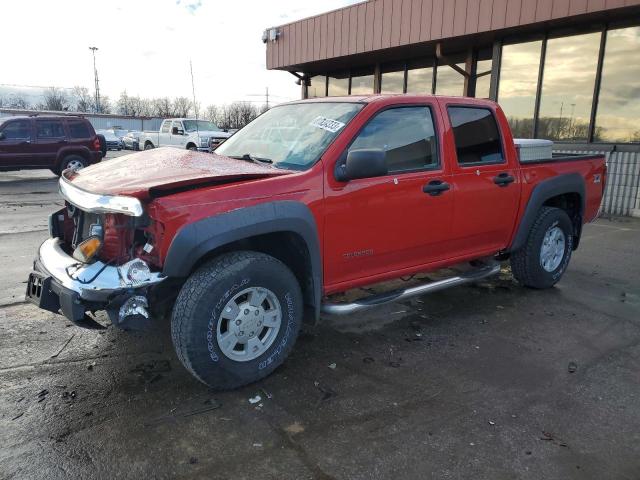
column 181, row 107
column 124, row 104
column 105, row 104
column 84, row 101
column 162, row 107
column 146, row 107
column 55, row 99
column 213, row 114
column 18, row 102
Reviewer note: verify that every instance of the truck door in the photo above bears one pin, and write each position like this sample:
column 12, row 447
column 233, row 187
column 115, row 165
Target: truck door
column 164, row 136
column 178, row 139
column 487, row 185
column 15, row 144
column 377, row 226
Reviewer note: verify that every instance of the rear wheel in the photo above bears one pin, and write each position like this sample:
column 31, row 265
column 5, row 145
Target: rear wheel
column 546, row 254
column 74, row 162
column 236, row 319
column 148, row 146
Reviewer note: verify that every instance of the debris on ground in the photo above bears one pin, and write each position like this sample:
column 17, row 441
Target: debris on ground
column 332, row 366
column 193, row 460
column 294, row 428
column 91, row 365
column 71, row 394
column 572, row 367
column 368, row 360
column 257, row 445
column 492, row 423
column 266, row 394
column 255, row 399
column 18, row 416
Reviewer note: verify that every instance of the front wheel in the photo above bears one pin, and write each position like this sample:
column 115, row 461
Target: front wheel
column 236, row 319
column 544, row 258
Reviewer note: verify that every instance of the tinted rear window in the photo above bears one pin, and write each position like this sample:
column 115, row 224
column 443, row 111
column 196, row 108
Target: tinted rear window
column 49, row 129
column 79, row 129
column 476, row 135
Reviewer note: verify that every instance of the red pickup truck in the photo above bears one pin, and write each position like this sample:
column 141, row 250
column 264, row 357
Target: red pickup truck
column 312, row 198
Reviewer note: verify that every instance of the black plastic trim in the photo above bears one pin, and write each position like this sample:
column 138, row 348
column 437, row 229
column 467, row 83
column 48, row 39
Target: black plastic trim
column 569, row 183
column 195, row 240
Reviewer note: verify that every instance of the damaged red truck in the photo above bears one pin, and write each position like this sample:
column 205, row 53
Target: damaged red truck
column 312, row 198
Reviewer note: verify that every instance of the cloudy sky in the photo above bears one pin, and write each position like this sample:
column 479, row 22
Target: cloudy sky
column 145, row 46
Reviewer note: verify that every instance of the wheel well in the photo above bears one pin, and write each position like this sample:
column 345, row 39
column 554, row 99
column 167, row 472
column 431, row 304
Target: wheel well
column 190, row 144
column 148, row 142
column 288, row 247
column 572, row 204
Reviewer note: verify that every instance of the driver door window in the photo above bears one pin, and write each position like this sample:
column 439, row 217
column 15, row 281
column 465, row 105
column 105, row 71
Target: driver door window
column 405, row 134
column 19, row 130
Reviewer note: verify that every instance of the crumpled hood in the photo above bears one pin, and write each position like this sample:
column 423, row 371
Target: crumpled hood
column 162, row 170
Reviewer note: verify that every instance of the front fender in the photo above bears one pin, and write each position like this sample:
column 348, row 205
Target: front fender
column 195, row 240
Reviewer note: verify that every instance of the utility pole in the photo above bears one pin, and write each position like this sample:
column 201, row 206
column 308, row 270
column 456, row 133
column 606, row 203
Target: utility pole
column 95, row 76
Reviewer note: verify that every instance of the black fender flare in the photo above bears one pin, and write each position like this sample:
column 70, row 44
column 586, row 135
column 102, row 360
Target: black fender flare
column 195, row 240
column 567, row 183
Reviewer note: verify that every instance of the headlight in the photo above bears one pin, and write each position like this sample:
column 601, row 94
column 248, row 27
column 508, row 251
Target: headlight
column 134, row 272
column 204, row 142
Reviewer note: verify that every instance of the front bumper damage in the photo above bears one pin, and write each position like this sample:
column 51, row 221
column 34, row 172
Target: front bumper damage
column 60, row 284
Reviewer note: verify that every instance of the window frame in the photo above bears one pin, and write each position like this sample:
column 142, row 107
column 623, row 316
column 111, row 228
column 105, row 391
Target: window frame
column 432, row 108
column 69, row 124
column 492, row 111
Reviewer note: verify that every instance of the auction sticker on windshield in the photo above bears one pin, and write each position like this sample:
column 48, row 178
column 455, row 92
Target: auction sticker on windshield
column 327, row 124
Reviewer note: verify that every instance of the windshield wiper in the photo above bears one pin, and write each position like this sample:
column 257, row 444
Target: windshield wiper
column 252, row 158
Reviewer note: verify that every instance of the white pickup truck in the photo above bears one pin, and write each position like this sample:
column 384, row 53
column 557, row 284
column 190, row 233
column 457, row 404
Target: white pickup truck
column 185, row 133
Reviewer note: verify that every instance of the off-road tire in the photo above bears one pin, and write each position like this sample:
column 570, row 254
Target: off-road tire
column 197, row 310
column 525, row 263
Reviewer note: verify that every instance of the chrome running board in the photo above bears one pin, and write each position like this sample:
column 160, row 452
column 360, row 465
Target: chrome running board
column 375, row 300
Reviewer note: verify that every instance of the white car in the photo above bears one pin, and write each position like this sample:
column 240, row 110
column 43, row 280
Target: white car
column 184, row 133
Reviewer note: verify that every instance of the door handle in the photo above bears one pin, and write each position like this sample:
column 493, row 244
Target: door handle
column 435, row 187
column 503, row 179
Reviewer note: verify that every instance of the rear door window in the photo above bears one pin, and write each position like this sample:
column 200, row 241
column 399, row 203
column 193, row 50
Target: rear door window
column 476, row 136
column 406, row 134
column 165, row 127
column 17, row 130
column 79, row 129
column 49, row 129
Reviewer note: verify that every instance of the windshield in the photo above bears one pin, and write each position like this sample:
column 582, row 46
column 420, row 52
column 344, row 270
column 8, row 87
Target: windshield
column 190, row 125
column 291, row 136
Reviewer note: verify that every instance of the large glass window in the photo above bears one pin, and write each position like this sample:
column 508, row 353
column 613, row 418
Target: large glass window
column 476, row 135
column 392, row 80
column 448, row 81
column 567, row 87
column 419, row 79
column 406, row 134
column 79, row 129
column 362, row 84
column 618, row 114
column 483, row 83
column 518, row 84
column 339, row 85
column 317, row 87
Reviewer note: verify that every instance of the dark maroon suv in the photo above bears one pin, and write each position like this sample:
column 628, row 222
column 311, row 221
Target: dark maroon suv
column 53, row 142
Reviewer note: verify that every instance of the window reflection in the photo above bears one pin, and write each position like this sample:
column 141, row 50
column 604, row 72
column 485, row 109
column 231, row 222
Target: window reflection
column 483, row 84
column 448, row 81
column 567, row 87
column 362, row 85
column 392, row 82
column 317, row 87
column 338, row 86
column 618, row 111
column 518, row 84
column 419, row 80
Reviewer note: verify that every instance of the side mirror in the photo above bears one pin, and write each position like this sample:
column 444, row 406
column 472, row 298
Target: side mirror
column 364, row 163
column 2, row 136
